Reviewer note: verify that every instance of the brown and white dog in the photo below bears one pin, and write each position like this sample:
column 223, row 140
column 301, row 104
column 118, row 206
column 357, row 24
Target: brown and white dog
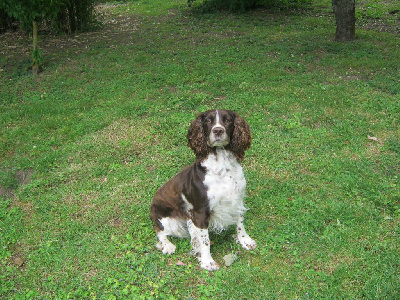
column 208, row 195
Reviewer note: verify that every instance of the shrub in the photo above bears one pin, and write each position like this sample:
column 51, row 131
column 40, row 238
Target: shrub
column 6, row 22
column 243, row 5
column 62, row 15
column 74, row 15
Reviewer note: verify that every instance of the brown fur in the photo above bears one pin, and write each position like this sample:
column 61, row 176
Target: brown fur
column 239, row 143
column 241, row 138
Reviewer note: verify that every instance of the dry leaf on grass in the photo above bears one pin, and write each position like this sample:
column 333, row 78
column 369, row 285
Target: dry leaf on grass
column 180, row 263
column 372, row 138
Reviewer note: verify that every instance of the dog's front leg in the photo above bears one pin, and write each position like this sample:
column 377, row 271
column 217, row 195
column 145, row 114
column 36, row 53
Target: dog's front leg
column 242, row 237
column 201, row 246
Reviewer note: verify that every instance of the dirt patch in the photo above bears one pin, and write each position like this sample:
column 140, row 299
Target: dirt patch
column 380, row 25
column 18, row 260
column 4, row 192
column 24, row 176
column 12, row 180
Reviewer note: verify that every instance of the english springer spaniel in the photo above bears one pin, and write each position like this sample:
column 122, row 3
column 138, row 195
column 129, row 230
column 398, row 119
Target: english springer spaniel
column 208, row 195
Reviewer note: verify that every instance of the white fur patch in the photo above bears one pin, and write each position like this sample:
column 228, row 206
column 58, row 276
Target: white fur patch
column 226, row 186
column 219, row 141
column 175, row 227
column 188, row 205
column 217, row 121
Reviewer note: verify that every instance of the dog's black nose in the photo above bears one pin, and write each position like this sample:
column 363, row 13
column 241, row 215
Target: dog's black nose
column 218, row 131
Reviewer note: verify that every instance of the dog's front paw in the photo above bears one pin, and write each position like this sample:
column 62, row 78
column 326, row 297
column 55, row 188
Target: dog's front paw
column 210, row 265
column 247, row 242
column 166, row 248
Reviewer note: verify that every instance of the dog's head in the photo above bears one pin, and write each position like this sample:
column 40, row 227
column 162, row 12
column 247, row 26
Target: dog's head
column 219, row 128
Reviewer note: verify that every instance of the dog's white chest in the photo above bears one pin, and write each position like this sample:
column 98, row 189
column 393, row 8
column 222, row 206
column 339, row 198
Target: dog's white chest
column 226, row 186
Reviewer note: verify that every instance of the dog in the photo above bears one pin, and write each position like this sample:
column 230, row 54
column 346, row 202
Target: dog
column 208, row 195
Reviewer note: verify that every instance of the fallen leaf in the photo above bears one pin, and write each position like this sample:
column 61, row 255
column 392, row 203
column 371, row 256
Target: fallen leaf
column 372, row 138
column 180, row 263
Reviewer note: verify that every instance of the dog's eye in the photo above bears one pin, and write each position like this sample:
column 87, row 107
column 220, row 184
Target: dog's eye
column 208, row 121
column 227, row 121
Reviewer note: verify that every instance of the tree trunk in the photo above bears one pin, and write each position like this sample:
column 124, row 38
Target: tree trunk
column 35, row 64
column 345, row 14
column 71, row 18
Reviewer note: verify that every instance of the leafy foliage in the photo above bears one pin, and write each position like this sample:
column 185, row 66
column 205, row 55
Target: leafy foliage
column 28, row 11
column 74, row 15
column 63, row 15
column 243, row 5
column 6, row 22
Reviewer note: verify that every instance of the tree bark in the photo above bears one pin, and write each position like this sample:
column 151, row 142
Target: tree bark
column 71, row 18
column 35, row 64
column 345, row 14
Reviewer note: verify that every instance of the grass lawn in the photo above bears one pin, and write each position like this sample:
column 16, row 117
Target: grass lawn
column 85, row 145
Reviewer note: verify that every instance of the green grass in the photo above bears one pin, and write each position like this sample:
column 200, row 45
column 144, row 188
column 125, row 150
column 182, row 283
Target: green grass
column 85, row 145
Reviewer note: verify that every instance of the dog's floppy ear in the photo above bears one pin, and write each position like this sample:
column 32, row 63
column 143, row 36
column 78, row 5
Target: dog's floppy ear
column 241, row 137
column 196, row 136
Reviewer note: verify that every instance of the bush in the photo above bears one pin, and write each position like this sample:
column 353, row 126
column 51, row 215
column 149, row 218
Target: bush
column 243, row 5
column 61, row 15
column 74, row 15
column 6, row 22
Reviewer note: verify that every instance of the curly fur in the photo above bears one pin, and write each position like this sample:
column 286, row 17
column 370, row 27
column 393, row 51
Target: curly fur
column 240, row 140
column 197, row 140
